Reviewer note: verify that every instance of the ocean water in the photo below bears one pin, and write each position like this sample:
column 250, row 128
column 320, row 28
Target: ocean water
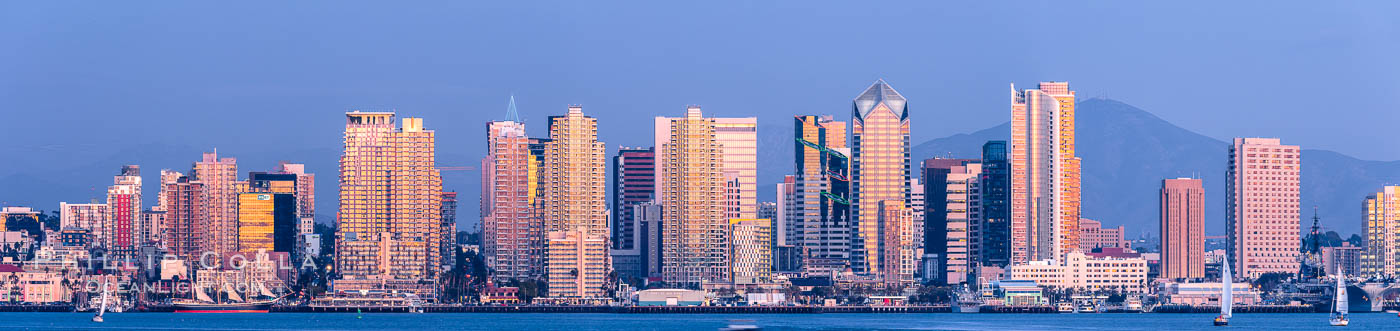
column 676, row 322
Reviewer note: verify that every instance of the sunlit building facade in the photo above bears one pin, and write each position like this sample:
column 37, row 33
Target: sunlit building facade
column 879, row 173
column 1183, row 228
column 390, row 200
column 512, row 236
column 577, row 267
column 119, row 235
column 267, row 221
column 220, row 177
column 185, row 229
column 1262, row 229
column 694, row 230
column 575, row 201
column 1044, row 173
column 88, row 217
column 738, row 139
column 751, row 250
column 897, row 249
column 1380, row 255
column 821, row 206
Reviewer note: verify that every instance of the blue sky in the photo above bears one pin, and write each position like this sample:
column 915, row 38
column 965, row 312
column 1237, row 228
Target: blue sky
column 84, row 78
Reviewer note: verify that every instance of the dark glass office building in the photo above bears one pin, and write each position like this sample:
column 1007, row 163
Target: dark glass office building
column 996, row 205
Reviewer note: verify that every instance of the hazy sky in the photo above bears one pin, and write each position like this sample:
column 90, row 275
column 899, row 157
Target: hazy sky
column 272, row 77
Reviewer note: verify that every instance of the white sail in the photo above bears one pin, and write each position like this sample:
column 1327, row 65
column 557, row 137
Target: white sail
column 1227, row 285
column 103, row 309
column 232, row 295
column 1340, row 302
column 264, row 292
column 200, row 295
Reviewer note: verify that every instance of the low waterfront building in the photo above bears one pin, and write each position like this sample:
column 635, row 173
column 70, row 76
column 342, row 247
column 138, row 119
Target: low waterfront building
column 670, row 297
column 1083, row 272
column 32, row 287
column 1204, row 294
column 1017, row 293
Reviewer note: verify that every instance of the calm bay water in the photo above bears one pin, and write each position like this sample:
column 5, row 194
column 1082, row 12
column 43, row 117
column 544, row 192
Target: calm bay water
column 675, row 322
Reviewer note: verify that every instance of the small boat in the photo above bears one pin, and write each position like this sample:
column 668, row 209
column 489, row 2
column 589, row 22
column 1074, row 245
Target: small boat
column 1226, row 299
column 1065, row 307
column 103, row 309
column 1339, row 302
column 741, row 325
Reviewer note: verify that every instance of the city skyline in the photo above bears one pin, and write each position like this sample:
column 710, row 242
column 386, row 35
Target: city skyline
column 459, row 94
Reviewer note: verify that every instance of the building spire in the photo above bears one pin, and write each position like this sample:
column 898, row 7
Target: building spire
column 511, row 114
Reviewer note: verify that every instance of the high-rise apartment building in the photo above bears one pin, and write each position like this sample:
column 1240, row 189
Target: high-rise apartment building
column 994, row 239
column 1183, row 228
column 952, row 192
column 167, row 176
column 123, row 213
column 879, row 172
column 449, row 230
column 220, row 177
column 1380, row 256
column 691, row 164
column 575, row 202
column 820, row 190
column 634, row 182
column 512, row 235
column 88, row 217
column 185, row 229
column 1044, row 173
column 750, row 241
column 1263, row 233
column 389, row 223
column 917, row 207
column 896, row 237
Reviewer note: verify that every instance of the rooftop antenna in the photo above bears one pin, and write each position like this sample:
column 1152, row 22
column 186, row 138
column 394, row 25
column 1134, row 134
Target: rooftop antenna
column 511, row 114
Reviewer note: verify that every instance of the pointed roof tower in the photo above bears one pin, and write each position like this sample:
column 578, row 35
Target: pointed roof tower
column 879, row 93
column 511, row 114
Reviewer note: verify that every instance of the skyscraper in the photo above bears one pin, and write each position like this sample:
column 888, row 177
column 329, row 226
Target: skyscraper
column 738, row 140
column 575, row 203
column 124, row 211
column 511, row 233
column 691, row 189
column 390, row 200
column 1263, row 233
column 305, row 193
column 879, row 170
column 1380, row 256
column 953, row 206
column 1183, row 228
column 449, row 230
column 219, row 177
column 1044, row 173
column 186, row 222
column 994, row 239
column 267, row 221
column 634, row 182
column 167, row 176
column 821, row 194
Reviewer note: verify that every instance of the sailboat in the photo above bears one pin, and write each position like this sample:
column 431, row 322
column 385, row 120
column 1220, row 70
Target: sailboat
column 1226, row 299
column 103, row 308
column 236, row 304
column 1339, row 302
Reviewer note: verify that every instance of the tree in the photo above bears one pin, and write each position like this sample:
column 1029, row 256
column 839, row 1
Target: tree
column 1269, row 281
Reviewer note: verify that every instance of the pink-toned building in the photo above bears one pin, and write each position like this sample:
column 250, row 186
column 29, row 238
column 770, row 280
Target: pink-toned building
column 1263, row 214
column 1183, row 228
column 1093, row 235
column 512, row 233
column 123, row 211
